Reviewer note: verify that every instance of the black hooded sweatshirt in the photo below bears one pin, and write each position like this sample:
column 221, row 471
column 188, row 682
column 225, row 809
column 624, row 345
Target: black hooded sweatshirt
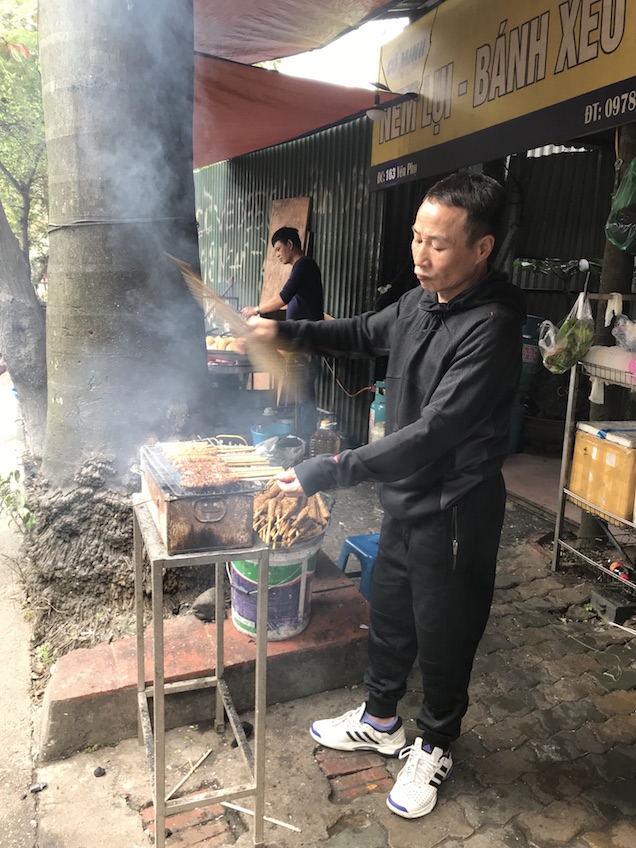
column 452, row 376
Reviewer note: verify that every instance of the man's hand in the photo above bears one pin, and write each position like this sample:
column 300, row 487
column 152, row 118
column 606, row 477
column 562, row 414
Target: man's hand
column 289, row 483
column 249, row 311
column 263, row 329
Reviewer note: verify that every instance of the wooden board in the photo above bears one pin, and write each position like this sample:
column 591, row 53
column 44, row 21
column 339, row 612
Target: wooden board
column 291, row 212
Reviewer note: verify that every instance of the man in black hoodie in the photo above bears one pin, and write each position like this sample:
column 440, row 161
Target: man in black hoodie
column 454, row 348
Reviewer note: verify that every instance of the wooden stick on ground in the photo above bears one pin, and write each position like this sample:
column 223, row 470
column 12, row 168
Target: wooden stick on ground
column 267, row 818
column 189, row 774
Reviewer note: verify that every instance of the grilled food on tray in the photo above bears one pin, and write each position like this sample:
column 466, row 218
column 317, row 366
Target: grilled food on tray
column 203, row 465
column 198, row 464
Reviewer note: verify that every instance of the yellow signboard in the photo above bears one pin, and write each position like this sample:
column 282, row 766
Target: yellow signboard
column 493, row 77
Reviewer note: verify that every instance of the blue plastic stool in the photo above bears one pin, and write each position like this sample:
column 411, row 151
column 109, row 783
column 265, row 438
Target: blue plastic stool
column 365, row 548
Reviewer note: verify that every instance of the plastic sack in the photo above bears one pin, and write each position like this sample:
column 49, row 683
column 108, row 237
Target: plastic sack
column 562, row 347
column 620, row 228
column 282, row 450
column 624, row 331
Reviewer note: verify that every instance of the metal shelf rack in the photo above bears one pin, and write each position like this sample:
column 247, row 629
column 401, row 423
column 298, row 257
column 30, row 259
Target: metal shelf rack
column 606, row 520
column 152, row 734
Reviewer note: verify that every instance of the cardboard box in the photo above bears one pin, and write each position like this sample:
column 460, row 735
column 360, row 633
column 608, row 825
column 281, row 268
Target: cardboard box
column 604, row 467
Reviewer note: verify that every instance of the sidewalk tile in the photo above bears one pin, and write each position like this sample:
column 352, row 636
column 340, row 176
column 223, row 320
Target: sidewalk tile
column 562, row 781
column 558, row 823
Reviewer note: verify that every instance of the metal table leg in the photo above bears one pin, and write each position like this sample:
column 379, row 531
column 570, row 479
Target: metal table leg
column 260, row 699
column 219, row 618
column 158, row 704
column 139, row 622
column 145, row 536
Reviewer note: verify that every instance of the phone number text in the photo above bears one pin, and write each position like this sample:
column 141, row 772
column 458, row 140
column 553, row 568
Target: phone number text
column 620, row 104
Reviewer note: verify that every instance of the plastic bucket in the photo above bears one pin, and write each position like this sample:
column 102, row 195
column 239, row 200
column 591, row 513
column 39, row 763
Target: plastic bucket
column 272, row 430
column 291, row 574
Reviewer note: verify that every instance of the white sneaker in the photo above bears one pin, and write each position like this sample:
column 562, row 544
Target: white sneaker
column 349, row 733
column 415, row 790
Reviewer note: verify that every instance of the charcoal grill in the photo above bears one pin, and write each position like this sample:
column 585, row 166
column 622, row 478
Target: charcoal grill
column 196, row 519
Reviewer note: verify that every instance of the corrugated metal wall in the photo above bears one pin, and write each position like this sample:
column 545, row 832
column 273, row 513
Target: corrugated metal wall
column 566, row 200
column 361, row 240
column 234, row 201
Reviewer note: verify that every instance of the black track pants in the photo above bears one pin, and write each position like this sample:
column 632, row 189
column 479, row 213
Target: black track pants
column 430, row 599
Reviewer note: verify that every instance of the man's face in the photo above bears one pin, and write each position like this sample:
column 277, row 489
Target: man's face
column 444, row 261
column 284, row 251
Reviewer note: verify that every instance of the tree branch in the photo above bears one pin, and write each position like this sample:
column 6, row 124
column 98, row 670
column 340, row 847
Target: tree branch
column 11, row 178
column 39, row 150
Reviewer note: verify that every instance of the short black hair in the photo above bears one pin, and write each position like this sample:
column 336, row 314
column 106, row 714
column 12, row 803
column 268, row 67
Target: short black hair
column 286, row 234
column 482, row 197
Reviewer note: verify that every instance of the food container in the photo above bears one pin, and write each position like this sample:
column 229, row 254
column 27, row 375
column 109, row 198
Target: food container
column 604, row 467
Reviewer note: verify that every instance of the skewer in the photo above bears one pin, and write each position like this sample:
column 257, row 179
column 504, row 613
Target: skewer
column 244, row 460
column 266, row 818
column 263, row 473
column 189, row 774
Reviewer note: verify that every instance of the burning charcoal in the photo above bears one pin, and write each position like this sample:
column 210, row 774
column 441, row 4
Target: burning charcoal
column 99, row 771
column 205, row 605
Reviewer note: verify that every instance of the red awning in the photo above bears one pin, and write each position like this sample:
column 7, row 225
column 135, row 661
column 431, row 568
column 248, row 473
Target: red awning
column 250, row 31
column 239, row 108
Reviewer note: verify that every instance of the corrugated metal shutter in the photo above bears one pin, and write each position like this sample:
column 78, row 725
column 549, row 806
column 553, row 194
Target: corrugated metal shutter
column 233, row 209
column 566, row 202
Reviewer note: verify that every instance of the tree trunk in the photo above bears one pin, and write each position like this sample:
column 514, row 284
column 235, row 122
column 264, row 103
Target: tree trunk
column 125, row 343
column 125, row 340
column 22, row 336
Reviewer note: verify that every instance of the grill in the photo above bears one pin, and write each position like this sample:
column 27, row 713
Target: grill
column 207, row 516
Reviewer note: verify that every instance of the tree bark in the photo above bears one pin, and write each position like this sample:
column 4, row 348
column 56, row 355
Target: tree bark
column 22, row 336
column 125, row 344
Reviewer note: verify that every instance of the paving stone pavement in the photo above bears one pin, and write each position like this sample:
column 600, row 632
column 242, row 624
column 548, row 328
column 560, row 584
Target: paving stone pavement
column 547, row 756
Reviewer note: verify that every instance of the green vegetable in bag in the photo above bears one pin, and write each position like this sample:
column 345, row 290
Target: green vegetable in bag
column 562, row 347
column 620, row 228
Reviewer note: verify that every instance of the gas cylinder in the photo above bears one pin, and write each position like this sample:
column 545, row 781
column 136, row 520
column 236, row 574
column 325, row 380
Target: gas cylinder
column 377, row 413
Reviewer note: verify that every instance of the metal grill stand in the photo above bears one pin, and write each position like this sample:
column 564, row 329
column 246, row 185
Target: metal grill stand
column 146, row 537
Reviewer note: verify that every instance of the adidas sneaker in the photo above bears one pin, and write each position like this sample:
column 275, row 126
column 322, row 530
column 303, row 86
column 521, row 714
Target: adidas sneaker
column 415, row 790
column 349, row 732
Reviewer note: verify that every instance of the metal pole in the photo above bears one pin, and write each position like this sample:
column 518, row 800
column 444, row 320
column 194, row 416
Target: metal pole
column 260, row 698
column 158, row 682
column 139, row 616
column 219, row 615
column 568, row 440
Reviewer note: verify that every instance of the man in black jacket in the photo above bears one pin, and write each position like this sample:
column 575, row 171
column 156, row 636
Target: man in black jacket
column 454, row 348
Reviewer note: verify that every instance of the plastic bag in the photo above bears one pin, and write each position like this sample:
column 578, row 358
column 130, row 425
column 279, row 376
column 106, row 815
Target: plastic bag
column 624, row 331
column 562, row 347
column 282, row 450
column 620, row 228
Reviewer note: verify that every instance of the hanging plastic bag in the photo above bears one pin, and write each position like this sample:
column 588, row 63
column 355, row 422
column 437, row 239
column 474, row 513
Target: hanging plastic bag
column 624, row 331
column 620, row 228
column 282, row 450
column 562, row 347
